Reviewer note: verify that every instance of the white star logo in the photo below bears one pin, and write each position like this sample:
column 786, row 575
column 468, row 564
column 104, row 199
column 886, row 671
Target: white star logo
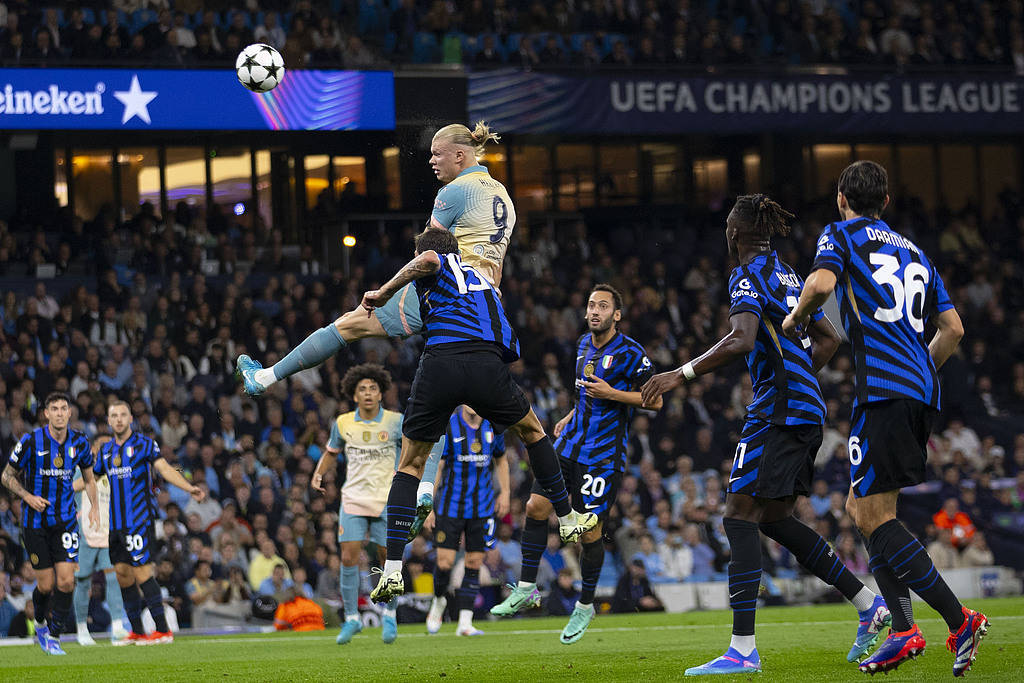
column 135, row 101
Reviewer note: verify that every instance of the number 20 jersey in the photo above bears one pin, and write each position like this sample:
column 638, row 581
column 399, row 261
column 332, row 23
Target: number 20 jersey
column 476, row 208
column 887, row 290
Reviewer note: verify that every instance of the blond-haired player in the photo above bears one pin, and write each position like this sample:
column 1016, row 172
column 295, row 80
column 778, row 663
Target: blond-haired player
column 471, row 204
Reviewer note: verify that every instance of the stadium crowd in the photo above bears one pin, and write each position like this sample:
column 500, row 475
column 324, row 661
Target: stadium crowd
column 522, row 33
column 133, row 316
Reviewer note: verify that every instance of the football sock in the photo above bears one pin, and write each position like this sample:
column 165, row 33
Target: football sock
column 133, row 607
column 41, row 603
column 895, row 594
column 591, row 559
column 350, row 591
column 61, row 612
column 311, row 352
column 913, row 568
column 114, row 602
column 814, row 554
column 548, row 473
column 390, row 609
column 466, row 619
column 467, row 592
column 744, row 575
column 864, row 599
column 82, row 586
column 401, row 513
column 535, row 539
column 441, row 579
column 155, row 603
column 743, row 644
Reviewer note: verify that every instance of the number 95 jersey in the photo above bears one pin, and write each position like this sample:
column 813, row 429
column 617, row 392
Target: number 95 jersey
column 477, row 209
column 887, row 290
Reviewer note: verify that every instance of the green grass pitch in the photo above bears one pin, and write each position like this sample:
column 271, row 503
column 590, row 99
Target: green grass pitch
column 796, row 644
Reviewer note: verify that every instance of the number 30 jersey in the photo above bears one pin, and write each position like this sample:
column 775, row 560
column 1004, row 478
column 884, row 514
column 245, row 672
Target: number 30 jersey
column 477, row 209
column 887, row 290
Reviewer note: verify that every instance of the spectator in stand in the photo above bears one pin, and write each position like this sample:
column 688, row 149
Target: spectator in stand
column 954, row 520
column 633, row 593
column 942, row 551
column 562, row 598
column 703, row 555
column 262, row 566
column 271, row 33
column 976, row 552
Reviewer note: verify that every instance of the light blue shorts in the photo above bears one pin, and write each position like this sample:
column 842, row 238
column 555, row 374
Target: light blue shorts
column 92, row 560
column 361, row 528
column 400, row 316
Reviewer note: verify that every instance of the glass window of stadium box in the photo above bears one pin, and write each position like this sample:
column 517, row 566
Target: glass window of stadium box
column 497, row 163
column 881, row 154
column 264, row 199
column 92, row 172
column 1000, row 169
column 618, row 180
column 317, row 177
column 959, row 175
column 751, row 171
column 710, row 180
column 60, row 178
column 574, row 166
column 185, row 175
column 828, row 161
column 665, row 164
column 531, row 174
column 231, row 176
column 916, row 166
column 349, row 176
column 139, row 174
column 393, row 178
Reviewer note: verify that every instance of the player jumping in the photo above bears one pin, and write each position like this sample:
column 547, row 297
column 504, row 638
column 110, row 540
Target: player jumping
column 888, row 291
column 468, row 343
column 467, row 504
column 474, row 207
column 367, row 442
column 47, row 458
column 591, row 445
column 774, row 461
column 128, row 461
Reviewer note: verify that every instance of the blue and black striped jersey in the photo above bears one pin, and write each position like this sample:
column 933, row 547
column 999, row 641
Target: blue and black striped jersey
column 786, row 392
column 458, row 304
column 596, row 435
column 49, row 472
column 467, row 487
column 887, row 290
column 129, row 469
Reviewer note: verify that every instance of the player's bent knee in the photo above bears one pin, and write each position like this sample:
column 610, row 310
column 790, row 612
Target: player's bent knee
column 538, row 507
column 592, row 535
column 474, row 560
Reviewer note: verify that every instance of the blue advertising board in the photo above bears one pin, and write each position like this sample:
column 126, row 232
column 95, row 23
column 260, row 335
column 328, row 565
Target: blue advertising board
column 151, row 99
column 635, row 103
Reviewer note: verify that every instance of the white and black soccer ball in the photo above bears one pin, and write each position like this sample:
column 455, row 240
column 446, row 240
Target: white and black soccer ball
column 260, row 68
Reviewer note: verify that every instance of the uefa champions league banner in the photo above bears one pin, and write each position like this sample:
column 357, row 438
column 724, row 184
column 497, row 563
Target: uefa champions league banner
column 145, row 99
column 635, row 103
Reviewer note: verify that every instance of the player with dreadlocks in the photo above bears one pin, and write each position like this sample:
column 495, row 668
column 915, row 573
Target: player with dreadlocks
column 774, row 460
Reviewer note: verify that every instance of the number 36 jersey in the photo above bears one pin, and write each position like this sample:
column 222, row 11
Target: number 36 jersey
column 477, row 209
column 887, row 290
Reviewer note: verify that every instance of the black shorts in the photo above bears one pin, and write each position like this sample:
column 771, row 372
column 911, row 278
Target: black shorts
column 448, row 532
column 774, row 461
column 449, row 378
column 133, row 546
column 591, row 489
column 889, row 445
column 51, row 545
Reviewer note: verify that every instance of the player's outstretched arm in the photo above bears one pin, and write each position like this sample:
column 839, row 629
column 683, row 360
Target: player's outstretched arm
column 949, row 332
column 738, row 343
column 173, row 476
column 598, row 388
column 817, row 288
column 423, row 265
column 824, row 342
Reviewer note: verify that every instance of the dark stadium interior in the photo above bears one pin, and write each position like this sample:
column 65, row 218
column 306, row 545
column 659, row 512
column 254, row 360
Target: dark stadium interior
column 163, row 257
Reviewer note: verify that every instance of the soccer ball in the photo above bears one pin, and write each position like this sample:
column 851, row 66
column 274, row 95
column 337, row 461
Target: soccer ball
column 260, row 68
